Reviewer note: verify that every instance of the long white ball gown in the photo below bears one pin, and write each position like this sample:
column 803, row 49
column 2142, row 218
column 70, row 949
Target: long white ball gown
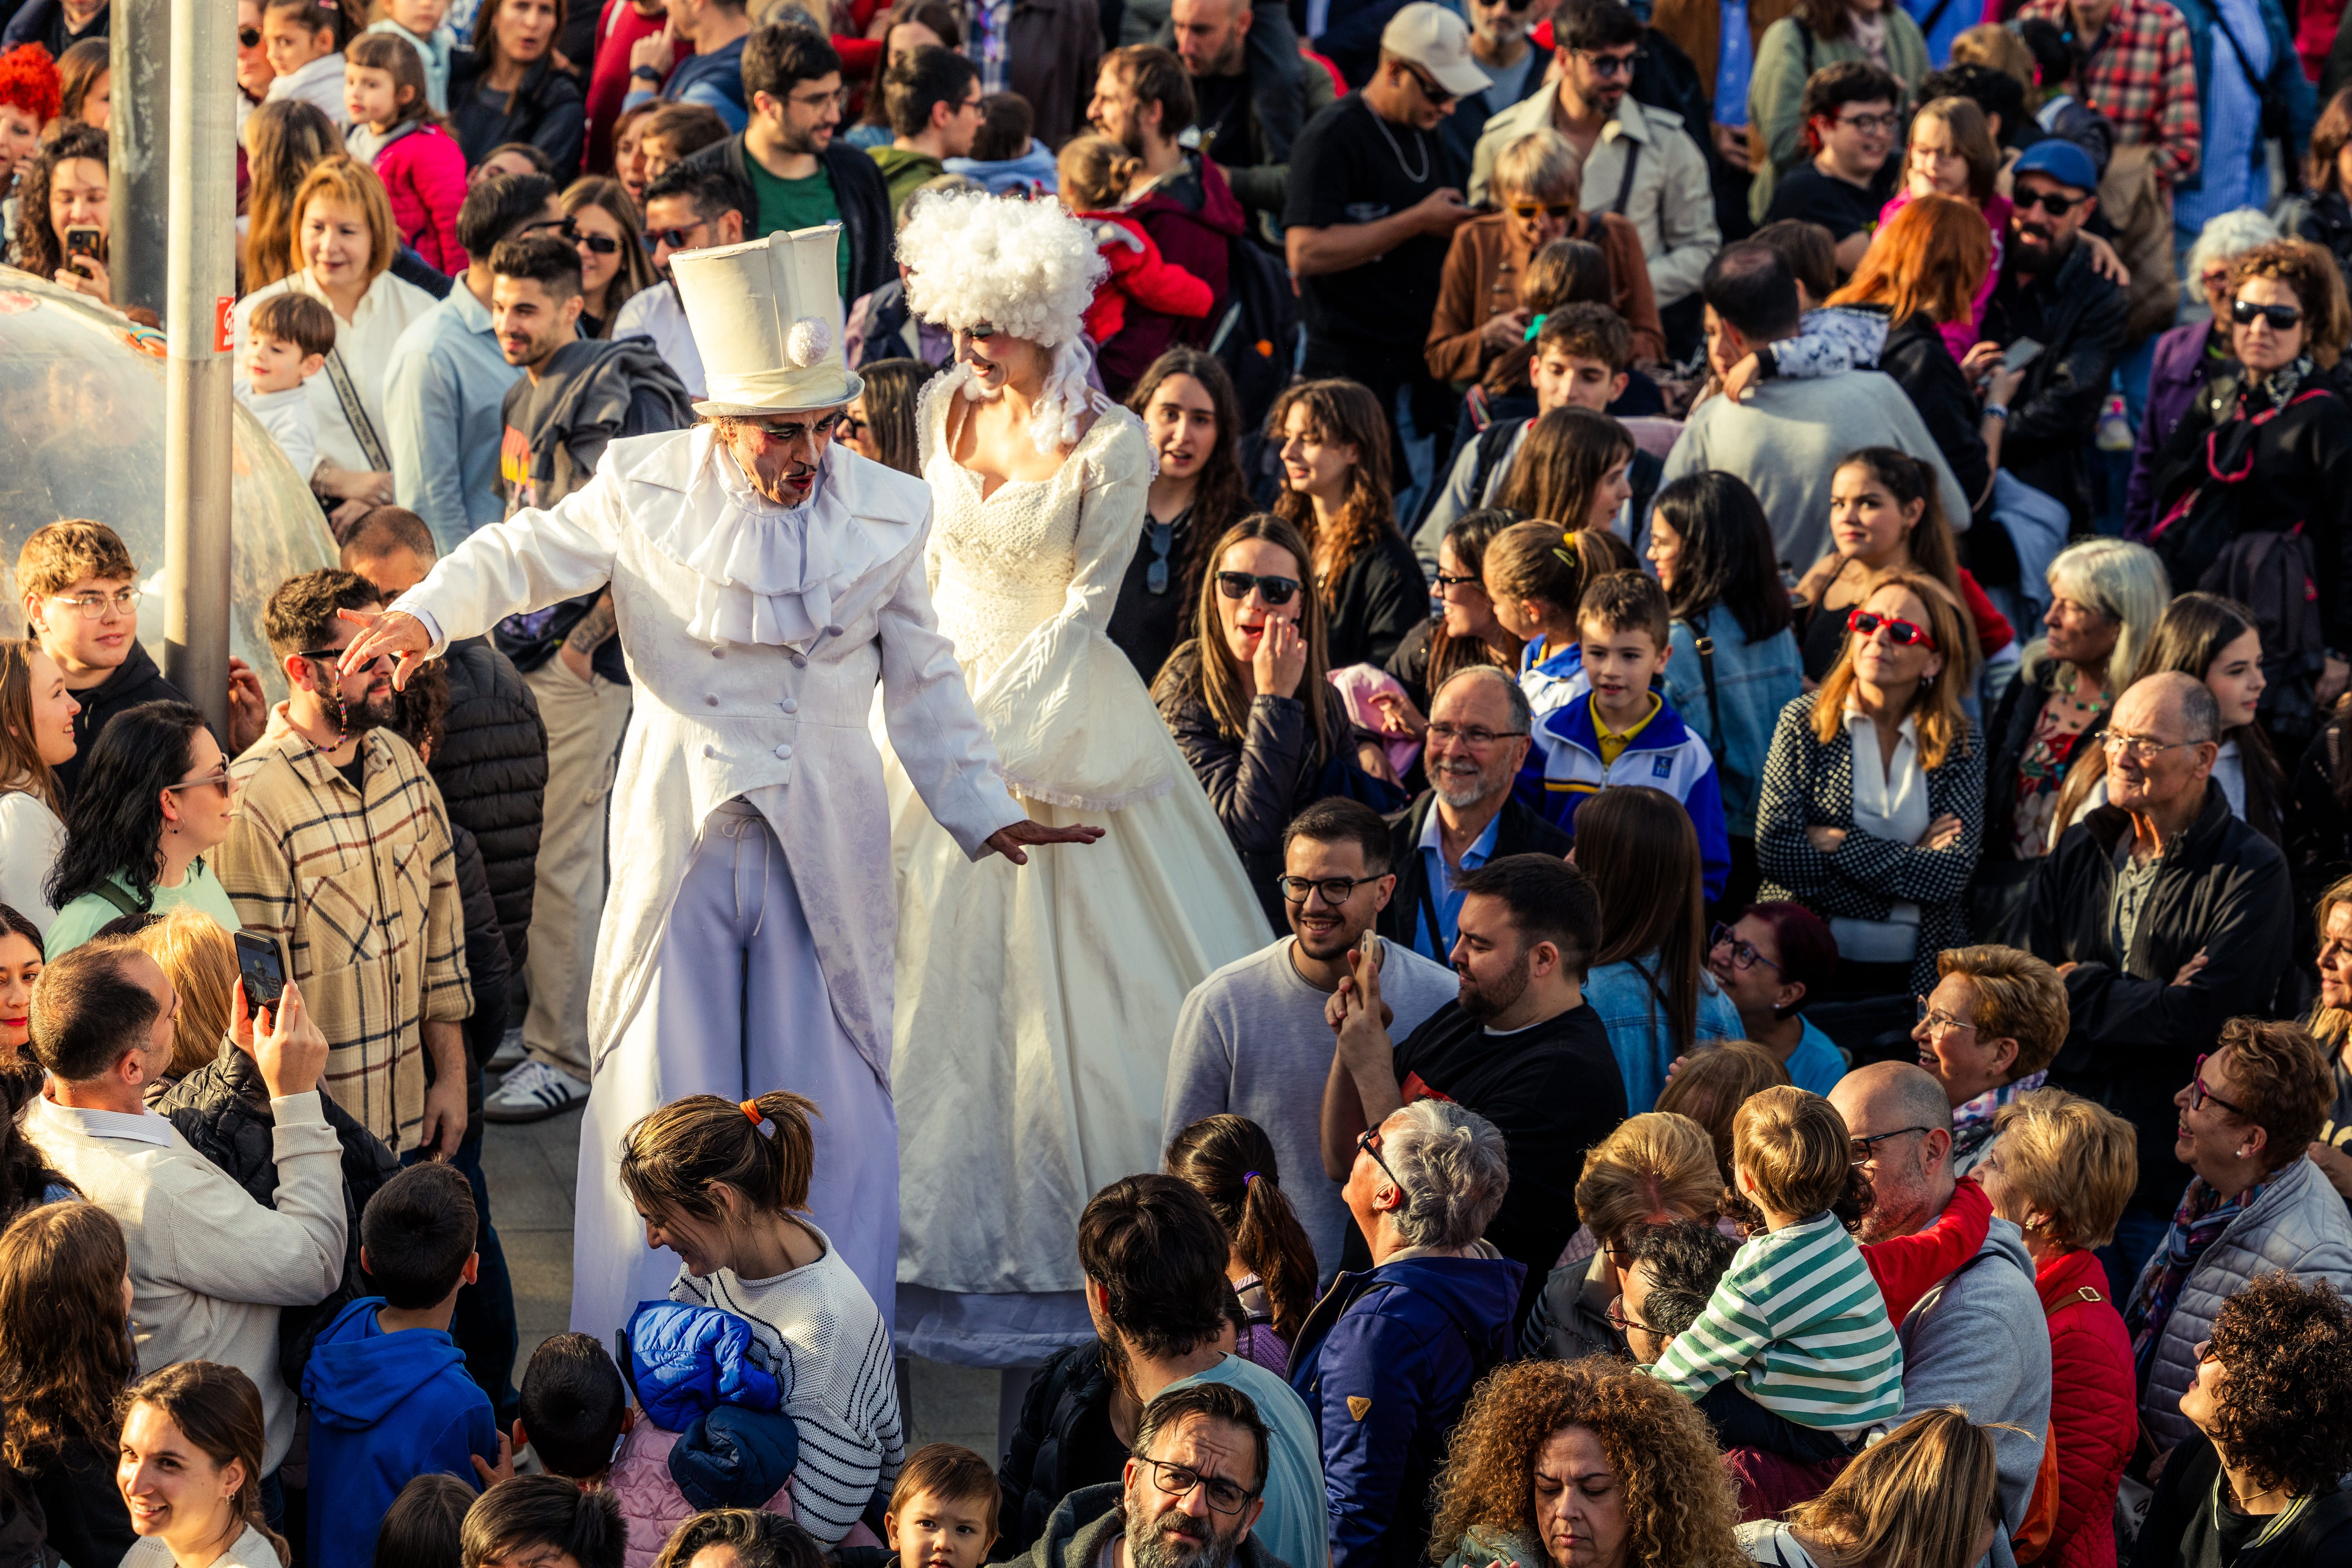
column 1035, row 1005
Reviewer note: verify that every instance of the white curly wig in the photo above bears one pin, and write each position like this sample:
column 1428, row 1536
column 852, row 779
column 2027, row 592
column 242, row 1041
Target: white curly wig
column 1028, row 269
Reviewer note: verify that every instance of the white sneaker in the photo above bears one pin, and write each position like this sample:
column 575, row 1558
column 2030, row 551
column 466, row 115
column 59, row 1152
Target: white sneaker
column 510, row 1051
column 532, row 1092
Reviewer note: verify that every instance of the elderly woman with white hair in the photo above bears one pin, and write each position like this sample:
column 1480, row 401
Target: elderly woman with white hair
column 2105, row 598
column 1031, row 1027
column 2188, row 355
column 1389, row 1357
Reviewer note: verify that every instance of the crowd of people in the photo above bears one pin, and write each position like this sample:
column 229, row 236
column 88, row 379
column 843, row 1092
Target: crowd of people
column 1665, row 693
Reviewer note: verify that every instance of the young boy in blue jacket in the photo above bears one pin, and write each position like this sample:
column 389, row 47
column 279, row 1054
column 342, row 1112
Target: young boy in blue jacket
column 1624, row 734
column 390, row 1398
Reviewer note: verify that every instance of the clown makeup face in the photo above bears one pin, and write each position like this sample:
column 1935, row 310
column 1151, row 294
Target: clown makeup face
column 780, row 453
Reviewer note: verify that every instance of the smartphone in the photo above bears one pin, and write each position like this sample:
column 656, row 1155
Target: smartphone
column 1369, row 944
column 263, row 969
column 83, row 239
column 2020, row 354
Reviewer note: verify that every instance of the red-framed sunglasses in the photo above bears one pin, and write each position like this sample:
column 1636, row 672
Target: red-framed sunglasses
column 1900, row 632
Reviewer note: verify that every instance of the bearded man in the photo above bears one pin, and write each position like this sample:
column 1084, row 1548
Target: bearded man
column 763, row 580
column 1520, row 1046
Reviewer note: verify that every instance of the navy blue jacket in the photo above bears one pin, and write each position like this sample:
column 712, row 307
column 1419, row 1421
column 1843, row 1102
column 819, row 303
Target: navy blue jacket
column 385, row 1409
column 1385, row 1363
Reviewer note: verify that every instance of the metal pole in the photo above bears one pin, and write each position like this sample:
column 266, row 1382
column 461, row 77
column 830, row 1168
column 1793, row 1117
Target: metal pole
column 196, row 397
column 139, row 153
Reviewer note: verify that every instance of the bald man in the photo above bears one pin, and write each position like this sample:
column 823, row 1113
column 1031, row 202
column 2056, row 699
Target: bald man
column 1976, row 1340
column 2165, row 913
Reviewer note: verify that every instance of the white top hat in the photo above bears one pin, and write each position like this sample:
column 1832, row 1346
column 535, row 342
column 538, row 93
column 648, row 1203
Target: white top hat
column 767, row 319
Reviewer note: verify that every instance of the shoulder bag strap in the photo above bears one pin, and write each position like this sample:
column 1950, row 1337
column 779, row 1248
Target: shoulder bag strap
column 1625, row 185
column 113, row 893
column 362, row 427
column 1704, row 646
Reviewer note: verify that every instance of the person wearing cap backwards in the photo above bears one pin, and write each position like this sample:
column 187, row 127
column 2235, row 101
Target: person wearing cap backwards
column 764, row 578
column 2051, row 291
column 1374, row 199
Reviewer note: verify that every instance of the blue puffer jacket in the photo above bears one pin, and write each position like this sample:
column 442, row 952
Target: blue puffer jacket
column 687, row 1360
column 1385, row 1363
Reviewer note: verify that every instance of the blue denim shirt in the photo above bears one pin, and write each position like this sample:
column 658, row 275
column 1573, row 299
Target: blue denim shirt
column 443, row 396
column 1620, row 995
column 1753, row 681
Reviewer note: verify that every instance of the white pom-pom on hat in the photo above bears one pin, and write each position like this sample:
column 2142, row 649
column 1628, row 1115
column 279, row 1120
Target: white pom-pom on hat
column 808, row 342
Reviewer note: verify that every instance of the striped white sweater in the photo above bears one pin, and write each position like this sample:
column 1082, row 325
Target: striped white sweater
column 820, row 1333
column 1800, row 1322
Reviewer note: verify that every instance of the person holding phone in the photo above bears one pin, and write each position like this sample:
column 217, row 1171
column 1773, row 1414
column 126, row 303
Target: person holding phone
column 63, row 223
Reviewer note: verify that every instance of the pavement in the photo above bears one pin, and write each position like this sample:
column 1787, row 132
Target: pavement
column 530, row 1169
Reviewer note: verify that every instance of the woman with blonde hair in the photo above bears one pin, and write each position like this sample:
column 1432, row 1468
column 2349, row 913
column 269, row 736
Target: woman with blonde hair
column 1583, row 1462
column 613, row 261
column 1925, row 1496
column 340, row 251
column 1653, row 1168
column 199, row 958
column 1333, row 437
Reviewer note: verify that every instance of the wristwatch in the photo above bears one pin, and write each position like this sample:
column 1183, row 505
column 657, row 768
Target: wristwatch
column 647, row 72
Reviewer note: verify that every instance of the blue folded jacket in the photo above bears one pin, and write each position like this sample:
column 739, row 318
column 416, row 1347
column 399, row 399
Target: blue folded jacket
column 734, row 1458
column 687, row 1360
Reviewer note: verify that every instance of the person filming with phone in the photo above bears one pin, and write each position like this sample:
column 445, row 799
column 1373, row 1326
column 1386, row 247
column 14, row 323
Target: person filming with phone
column 2051, row 291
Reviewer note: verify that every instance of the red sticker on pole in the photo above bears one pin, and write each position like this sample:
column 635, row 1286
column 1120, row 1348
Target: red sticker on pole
column 222, row 342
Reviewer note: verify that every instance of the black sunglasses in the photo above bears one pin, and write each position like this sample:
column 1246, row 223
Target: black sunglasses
column 1438, row 97
column 601, row 243
column 249, row 37
column 1273, row 590
column 2282, row 318
column 2049, row 202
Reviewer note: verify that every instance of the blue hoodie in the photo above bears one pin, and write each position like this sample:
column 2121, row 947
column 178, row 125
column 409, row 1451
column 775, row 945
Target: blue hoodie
column 1031, row 173
column 1385, row 1363
column 385, row 1409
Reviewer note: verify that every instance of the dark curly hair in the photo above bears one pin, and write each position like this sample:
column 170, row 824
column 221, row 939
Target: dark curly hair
column 40, row 249
column 115, row 820
column 2286, row 1412
column 1679, row 1504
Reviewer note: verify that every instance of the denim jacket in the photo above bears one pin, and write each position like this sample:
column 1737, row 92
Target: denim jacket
column 1621, row 995
column 1753, row 681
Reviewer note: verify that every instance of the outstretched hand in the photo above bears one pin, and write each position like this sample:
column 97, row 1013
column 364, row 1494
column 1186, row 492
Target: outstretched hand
column 393, row 632
column 1011, row 841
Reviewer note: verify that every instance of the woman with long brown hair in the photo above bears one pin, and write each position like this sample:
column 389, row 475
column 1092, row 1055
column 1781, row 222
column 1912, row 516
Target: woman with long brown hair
column 1334, row 441
column 189, row 1468
column 513, row 85
column 1231, row 1162
column 36, row 715
column 1248, row 698
column 613, row 260
column 284, row 138
column 1927, row 1496
column 65, row 1359
column 1193, row 419
column 66, row 185
column 1464, row 631
column 1570, row 469
column 1649, row 984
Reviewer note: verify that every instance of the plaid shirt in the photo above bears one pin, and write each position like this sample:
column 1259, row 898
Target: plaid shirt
column 363, row 891
column 2142, row 75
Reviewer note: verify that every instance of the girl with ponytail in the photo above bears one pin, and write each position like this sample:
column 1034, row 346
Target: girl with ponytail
column 1230, row 1161
column 725, row 1185
column 190, row 1471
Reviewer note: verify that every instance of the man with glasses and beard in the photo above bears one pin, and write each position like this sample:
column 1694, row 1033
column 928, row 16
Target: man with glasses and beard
column 1518, row 1046
column 1187, row 1500
column 340, row 851
column 2051, row 291
column 1499, row 46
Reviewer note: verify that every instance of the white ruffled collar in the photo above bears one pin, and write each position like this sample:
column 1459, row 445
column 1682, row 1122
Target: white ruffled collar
column 764, row 573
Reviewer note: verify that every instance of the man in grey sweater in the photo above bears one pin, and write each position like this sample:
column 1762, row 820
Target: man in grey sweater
column 1785, row 437
column 1979, row 1339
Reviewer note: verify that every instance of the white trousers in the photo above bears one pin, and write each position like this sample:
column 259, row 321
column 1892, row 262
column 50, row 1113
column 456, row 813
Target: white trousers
column 737, row 1006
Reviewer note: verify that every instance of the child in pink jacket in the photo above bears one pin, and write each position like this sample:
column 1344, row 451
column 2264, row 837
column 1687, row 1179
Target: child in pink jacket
column 1095, row 173
column 394, row 129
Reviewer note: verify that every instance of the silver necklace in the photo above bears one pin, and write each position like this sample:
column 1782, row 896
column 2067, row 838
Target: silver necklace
column 1388, row 136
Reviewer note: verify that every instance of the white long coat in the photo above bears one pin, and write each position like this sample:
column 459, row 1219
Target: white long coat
column 715, row 717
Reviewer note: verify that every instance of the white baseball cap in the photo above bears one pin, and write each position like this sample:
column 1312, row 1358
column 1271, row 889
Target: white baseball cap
column 1438, row 41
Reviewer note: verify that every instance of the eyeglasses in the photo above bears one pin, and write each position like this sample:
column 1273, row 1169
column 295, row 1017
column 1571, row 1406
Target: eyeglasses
column 2143, row 747
column 850, row 426
column 93, row 606
column 1864, row 1150
column 1900, row 632
column 1527, row 211
column 1744, row 955
column 1273, row 590
column 332, row 657
column 2199, row 1094
column 1444, row 583
column 1438, row 97
column 1869, row 124
column 2213, row 279
column 2026, row 199
column 249, row 37
column 216, row 779
column 1613, row 65
column 1177, row 1480
column 1938, row 1021
column 1335, row 889
column 1364, row 1142
column 1476, row 735
column 1621, row 1322
column 2282, row 318
column 598, row 244
column 675, row 238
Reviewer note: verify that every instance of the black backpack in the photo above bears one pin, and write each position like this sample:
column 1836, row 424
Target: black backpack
column 1257, row 338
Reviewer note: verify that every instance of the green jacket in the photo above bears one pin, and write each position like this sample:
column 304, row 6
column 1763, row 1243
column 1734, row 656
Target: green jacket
column 1789, row 53
column 902, row 171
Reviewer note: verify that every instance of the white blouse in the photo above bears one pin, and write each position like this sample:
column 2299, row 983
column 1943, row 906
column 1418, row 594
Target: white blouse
column 30, row 837
column 248, row 1551
column 364, row 341
column 1889, row 802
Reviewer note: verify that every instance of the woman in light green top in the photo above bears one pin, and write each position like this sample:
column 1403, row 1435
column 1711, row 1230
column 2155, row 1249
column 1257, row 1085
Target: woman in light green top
column 153, row 800
column 190, row 1469
column 1821, row 32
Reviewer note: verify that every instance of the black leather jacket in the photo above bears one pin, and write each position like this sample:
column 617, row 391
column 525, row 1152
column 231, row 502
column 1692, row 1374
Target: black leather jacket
column 2079, row 318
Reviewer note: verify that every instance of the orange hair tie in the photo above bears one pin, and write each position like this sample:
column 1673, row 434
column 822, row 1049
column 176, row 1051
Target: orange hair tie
column 752, row 1110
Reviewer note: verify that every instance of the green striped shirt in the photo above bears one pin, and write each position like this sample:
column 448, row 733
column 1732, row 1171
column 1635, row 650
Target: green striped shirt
column 1798, row 1322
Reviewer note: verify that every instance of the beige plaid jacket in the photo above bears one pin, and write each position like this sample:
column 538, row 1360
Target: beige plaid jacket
column 363, row 888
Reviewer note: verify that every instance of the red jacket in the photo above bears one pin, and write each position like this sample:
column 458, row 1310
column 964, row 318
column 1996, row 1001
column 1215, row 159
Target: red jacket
column 2094, row 1411
column 1138, row 273
column 1907, row 1266
column 423, row 172
column 1194, row 217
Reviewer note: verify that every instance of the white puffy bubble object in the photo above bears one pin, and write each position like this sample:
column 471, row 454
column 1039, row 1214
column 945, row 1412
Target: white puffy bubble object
column 82, row 435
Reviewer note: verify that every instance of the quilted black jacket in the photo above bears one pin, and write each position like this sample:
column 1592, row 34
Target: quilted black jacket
column 1063, row 1443
column 492, row 770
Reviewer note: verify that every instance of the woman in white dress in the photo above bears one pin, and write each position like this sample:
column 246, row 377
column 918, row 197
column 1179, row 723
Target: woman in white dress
column 1033, row 1015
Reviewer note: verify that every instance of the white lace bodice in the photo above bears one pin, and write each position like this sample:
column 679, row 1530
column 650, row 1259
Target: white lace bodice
column 1001, row 568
